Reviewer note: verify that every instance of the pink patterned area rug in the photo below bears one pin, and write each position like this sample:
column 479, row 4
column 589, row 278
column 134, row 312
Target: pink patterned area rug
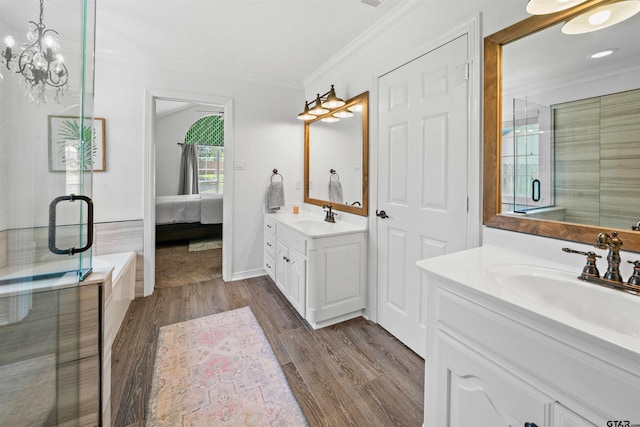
column 219, row 370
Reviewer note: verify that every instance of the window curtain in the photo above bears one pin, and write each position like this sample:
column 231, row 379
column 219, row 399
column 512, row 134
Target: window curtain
column 189, row 170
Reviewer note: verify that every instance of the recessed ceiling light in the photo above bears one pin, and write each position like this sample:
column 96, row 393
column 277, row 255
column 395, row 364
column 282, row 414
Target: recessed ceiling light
column 602, row 53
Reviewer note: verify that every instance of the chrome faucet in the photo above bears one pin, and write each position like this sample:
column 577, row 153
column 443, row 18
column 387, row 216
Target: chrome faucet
column 613, row 243
column 612, row 277
column 331, row 215
column 636, row 227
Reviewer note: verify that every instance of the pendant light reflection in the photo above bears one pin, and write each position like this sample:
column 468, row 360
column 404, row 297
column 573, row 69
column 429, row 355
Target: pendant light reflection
column 38, row 61
column 543, row 7
column 602, row 17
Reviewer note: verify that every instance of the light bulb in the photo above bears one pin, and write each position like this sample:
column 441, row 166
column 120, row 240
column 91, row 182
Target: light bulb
column 59, row 57
column 599, row 18
column 49, row 41
column 9, row 41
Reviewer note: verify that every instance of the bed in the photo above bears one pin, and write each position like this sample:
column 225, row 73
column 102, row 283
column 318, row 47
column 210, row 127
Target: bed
column 188, row 216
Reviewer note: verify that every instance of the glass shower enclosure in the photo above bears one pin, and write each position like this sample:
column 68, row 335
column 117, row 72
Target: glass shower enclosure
column 48, row 143
column 527, row 158
column 49, row 147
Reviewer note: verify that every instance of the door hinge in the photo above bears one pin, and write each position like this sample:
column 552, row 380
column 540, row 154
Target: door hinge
column 466, row 71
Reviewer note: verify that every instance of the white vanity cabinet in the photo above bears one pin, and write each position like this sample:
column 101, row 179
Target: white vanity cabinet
column 319, row 267
column 494, row 359
column 290, row 269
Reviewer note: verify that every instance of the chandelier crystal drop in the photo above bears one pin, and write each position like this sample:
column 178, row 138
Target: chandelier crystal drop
column 39, row 62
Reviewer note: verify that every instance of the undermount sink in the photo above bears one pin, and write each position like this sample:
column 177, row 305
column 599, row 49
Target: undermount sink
column 587, row 302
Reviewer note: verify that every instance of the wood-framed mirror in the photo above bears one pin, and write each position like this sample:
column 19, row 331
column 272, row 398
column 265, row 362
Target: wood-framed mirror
column 336, row 157
column 493, row 136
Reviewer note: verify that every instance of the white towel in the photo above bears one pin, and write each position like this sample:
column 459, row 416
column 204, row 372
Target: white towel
column 276, row 195
column 335, row 191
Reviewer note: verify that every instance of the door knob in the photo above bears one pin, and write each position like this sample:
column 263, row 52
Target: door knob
column 382, row 214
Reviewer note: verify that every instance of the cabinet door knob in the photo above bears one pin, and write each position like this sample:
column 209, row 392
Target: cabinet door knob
column 530, row 425
column 268, row 244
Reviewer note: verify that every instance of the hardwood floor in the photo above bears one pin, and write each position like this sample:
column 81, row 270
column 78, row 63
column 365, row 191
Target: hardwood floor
column 351, row 374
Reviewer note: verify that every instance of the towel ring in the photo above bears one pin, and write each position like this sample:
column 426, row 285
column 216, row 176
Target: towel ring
column 333, row 172
column 275, row 172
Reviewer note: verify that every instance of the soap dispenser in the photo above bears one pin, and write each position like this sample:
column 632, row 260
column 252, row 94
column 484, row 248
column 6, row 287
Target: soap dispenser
column 634, row 280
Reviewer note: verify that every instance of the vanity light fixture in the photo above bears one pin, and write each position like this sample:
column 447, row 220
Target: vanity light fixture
column 343, row 114
column 330, row 119
column 306, row 115
column 323, row 104
column 543, row 7
column 39, row 61
column 602, row 17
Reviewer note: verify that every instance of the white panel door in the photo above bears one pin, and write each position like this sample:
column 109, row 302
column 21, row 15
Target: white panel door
column 422, row 180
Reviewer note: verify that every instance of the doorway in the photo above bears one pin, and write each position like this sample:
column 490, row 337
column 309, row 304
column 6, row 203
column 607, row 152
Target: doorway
column 424, row 179
column 223, row 106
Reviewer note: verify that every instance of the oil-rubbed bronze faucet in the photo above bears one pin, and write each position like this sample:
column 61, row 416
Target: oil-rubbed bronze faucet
column 613, row 243
column 612, row 277
column 331, row 215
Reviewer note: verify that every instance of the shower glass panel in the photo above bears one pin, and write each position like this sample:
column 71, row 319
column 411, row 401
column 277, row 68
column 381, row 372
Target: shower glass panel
column 531, row 163
column 46, row 139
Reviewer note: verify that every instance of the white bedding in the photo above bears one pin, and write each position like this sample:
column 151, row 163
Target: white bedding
column 203, row 208
column 211, row 208
column 177, row 209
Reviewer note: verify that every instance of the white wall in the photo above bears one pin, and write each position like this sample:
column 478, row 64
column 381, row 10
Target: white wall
column 264, row 139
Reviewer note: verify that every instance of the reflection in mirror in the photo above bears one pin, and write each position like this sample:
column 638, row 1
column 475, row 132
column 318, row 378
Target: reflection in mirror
column 570, row 150
column 509, row 75
column 336, row 146
column 336, row 157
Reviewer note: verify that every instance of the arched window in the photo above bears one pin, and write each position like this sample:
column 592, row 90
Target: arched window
column 208, row 134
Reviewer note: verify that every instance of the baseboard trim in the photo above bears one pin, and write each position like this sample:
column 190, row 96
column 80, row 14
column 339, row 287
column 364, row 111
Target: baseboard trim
column 248, row 274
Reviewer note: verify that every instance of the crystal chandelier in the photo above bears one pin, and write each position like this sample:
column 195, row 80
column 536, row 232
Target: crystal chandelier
column 39, row 61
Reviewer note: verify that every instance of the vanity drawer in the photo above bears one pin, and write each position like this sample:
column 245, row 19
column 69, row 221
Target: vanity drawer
column 293, row 240
column 269, row 266
column 270, row 226
column 270, row 244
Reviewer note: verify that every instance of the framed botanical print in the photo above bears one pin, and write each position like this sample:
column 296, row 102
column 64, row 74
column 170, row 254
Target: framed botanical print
column 65, row 135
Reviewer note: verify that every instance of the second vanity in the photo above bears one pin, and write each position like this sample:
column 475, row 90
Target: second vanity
column 514, row 340
column 319, row 267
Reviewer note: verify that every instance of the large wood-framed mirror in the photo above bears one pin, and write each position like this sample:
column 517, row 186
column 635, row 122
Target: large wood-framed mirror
column 495, row 46
column 336, row 158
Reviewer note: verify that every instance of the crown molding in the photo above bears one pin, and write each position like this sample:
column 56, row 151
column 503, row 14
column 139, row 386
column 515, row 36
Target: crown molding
column 401, row 11
column 189, row 66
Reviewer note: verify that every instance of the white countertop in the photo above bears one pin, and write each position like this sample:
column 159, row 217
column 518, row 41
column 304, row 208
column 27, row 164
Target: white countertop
column 546, row 288
column 313, row 225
